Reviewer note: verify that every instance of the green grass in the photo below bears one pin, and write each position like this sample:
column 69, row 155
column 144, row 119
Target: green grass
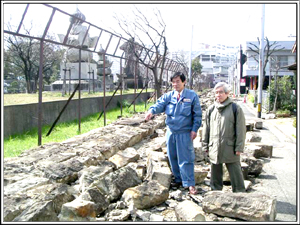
column 16, row 144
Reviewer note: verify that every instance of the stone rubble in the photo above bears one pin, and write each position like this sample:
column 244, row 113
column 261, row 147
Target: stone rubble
column 121, row 173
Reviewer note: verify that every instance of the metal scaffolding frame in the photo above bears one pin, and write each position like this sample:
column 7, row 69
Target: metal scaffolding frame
column 170, row 65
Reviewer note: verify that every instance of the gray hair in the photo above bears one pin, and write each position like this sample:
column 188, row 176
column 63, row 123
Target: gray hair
column 224, row 85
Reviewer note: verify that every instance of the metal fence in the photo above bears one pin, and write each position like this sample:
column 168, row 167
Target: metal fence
column 105, row 43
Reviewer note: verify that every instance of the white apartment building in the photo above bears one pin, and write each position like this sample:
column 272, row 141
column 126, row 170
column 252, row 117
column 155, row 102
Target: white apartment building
column 216, row 60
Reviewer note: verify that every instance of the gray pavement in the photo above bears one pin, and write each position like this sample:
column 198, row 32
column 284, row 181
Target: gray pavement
column 279, row 176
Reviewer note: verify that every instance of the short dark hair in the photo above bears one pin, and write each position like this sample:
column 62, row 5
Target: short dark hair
column 180, row 74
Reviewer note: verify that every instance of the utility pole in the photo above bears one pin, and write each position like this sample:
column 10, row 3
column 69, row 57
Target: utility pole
column 261, row 62
column 190, row 69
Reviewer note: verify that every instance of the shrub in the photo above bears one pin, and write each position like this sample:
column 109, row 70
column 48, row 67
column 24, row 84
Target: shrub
column 250, row 98
column 283, row 113
column 281, row 88
column 295, row 122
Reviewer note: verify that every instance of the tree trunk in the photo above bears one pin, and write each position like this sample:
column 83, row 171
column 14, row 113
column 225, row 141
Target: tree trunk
column 158, row 90
column 35, row 85
column 28, row 85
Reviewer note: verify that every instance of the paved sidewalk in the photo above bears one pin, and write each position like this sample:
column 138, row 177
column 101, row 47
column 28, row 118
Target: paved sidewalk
column 284, row 126
column 279, row 175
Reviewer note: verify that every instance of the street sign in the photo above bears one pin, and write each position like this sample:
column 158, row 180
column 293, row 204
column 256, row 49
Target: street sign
column 243, row 82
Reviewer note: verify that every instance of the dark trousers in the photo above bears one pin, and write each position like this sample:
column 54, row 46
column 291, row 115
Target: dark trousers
column 235, row 174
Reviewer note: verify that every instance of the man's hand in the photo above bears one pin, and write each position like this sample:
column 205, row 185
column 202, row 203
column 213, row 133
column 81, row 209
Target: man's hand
column 148, row 116
column 193, row 135
column 238, row 153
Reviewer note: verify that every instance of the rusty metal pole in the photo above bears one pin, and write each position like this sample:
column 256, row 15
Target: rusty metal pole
column 79, row 94
column 146, row 85
column 104, row 86
column 93, row 82
column 69, row 81
column 40, row 117
column 89, row 88
column 64, row 83
column 135, row 85
column 121, row 91
column 21, row 22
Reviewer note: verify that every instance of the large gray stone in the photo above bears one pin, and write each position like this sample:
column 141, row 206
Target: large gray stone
column 259, row 150
column 115, row 183
column 255, row 206
column 78, row 210
column 188, row 211
column 38, row 211
column 89, row 174
column 146, row 195
column 255, row 165
column 122, row 158
column 158, row 168
column 64, row 172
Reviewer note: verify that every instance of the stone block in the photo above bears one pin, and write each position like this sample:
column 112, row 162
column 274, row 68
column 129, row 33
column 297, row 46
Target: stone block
column 258, row 124
column 188, row 211
column 78, row 211
column 146, row 195
column 259, row 150
column 255, row 207
column 245, row 170
column 249, row 126
column 252, row 137
column 255, row 165
column 158, row 169
column 122, row 158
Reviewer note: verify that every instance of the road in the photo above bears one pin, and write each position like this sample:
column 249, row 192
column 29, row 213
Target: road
column 279, row 176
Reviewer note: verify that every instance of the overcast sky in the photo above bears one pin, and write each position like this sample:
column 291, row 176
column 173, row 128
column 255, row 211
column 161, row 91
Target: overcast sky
column 227, row 23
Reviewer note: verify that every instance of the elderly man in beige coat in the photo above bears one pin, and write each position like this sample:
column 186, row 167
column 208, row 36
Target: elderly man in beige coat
column 224, row 139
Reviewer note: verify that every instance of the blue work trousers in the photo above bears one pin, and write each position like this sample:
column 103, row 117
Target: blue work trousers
column 181, row 157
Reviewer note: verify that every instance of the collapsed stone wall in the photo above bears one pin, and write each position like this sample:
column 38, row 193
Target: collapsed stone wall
column 121, row 173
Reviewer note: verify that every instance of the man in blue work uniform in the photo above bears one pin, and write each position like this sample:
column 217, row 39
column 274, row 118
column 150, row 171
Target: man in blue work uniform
column 184, row 118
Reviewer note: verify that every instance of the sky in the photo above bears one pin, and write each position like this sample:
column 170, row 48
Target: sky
column 187, row 25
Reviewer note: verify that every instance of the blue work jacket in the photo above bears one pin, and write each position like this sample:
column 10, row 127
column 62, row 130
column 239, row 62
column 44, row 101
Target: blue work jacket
column 182, row 116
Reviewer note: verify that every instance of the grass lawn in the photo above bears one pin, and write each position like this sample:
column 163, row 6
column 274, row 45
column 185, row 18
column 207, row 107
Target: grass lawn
column 14, row 145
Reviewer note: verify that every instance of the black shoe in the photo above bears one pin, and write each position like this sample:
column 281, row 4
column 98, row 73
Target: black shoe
column 175, row 184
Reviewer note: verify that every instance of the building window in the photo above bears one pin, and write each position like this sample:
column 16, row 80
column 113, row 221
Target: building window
column 283, row 61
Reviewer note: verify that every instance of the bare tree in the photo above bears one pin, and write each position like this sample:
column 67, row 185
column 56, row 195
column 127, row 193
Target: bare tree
column 183, row 59
column 269, row 49
column 24, row 55
column 144, row 31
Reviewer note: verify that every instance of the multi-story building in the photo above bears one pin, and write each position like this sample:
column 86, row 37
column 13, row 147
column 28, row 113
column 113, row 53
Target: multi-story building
column 276, row 65
column 216, row 60
column 244, row 72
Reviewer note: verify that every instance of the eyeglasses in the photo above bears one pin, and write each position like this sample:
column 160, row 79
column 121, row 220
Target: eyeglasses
column 219, row 92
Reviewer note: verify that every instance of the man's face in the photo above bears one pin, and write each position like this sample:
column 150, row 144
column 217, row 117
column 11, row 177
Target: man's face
column 177, row 84
column 220, row 95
